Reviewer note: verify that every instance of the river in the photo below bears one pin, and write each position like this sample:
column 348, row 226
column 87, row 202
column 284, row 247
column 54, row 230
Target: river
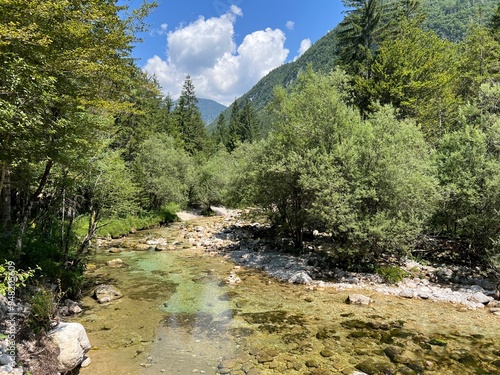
column 178, row 316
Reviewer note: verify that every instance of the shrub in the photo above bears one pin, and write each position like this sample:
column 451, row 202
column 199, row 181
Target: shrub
column 392, row 274
column 42, row 312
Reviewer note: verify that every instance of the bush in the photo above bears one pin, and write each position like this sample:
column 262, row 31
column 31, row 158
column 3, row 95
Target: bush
column 42, row 312
column 392, row 274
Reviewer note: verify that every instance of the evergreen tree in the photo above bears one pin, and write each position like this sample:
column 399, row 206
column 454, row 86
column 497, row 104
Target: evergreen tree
column 187, row 119
column 221, row 131
column 358, row 35
column 494, row 23
column 416, row 73
column 249, row 123
column 234, row 127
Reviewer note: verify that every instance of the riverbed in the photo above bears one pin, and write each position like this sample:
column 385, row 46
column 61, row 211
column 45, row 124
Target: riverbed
column 180, row 316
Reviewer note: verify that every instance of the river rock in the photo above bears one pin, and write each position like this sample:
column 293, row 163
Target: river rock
column 4, row 307
column 300, row 277
column 9, row 370
column 106, row 293
column 115, row 250
column 72, row 342
column 115, row 263
column 142, row 247
column 232, row 279
column 86, row 362
column 70, row 308
column 358, row 299
column 480, row 297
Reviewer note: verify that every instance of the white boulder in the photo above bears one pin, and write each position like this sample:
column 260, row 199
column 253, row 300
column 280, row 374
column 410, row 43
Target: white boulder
column 72, row 342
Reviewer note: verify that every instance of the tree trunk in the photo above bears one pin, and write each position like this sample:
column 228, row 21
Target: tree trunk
column 90, row 235
column 5, row 200
column 27, row 212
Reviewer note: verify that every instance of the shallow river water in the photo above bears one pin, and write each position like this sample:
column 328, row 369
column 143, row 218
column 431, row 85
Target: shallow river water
column 178, row 316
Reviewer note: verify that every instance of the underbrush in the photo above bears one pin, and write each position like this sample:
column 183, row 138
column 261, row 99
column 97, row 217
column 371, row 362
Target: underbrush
column 119, row 227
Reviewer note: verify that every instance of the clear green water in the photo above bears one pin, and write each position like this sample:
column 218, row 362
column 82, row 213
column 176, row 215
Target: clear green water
column 178, row 317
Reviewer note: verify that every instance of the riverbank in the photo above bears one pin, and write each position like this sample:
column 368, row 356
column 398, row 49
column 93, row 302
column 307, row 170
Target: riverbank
column 236, row 238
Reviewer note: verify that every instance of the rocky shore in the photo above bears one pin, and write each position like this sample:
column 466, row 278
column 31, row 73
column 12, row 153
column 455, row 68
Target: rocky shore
column 235, row 238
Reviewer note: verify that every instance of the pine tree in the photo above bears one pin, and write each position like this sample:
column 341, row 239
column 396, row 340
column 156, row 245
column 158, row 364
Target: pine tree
column 249, row 125
column 187, row 118
column 234, row 127
column 494, row 24
column 357, row 35
column 221, row 132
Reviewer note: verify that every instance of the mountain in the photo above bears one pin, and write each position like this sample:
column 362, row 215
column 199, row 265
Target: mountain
column 449, row 19
column 210, row 110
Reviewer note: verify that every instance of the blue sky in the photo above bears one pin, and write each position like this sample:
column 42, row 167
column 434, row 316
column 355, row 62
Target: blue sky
column 227, row 46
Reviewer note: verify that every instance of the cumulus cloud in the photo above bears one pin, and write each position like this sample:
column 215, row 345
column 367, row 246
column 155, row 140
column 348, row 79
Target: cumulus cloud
column 304, row 46
column 290, row 25
column 220, row 70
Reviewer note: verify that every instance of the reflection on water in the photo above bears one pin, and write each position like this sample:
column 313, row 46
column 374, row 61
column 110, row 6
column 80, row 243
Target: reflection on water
column 178, row 317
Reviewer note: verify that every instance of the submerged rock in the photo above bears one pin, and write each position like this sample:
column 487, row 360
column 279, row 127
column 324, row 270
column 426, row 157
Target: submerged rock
column 115, row 263
column 106, row 293
column 72, row 342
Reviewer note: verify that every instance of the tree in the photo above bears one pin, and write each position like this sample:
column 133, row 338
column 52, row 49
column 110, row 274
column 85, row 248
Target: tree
column 468, row 166
column 369, row 182
column 220, row 134
column 109, row 192
column 358, row 35
column 494, row 24
column 164, row 171
column 249, row 123
column 65, row 64
column 233, row 132
column 417, row 74
column 187, row 119
column 479, row 57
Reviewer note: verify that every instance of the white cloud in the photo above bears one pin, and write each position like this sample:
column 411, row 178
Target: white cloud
column 220, row 70
column 290, row 25
column 159, row 31
column 236, row 10
column 304, row 46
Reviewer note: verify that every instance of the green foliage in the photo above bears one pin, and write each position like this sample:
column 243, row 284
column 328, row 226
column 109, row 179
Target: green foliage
column 417, row 74
column 368, row 182
column 469, row 172
column 187, row 119
column 212, row 179
column 42, row 312
column 391, row 274
column 358, row 35
column 110, row 190
column 9, row 273
column 164, row 171
column 480, row 53
column 168, row 212
column 451, row 19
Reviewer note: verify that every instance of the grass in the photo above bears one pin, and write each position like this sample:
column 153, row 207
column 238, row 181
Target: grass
column 118, row 227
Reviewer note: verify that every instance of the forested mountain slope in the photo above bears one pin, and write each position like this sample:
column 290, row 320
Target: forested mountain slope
column 450, row 19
